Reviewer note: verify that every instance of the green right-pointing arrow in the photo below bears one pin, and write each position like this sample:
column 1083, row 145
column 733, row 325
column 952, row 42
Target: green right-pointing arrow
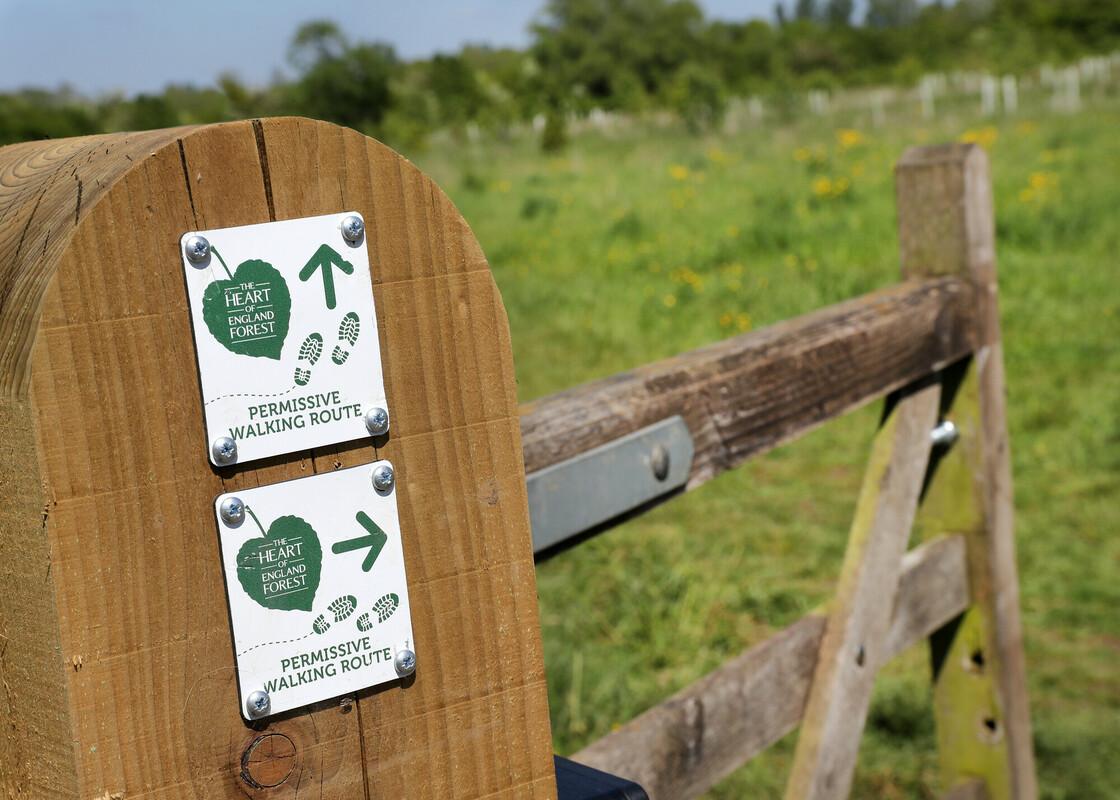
column 375, row 541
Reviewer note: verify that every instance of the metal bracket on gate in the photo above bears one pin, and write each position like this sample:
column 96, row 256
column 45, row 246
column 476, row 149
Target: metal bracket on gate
column 578, row 494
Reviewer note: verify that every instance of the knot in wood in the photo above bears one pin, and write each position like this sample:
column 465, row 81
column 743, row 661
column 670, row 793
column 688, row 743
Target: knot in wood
column 268, row 760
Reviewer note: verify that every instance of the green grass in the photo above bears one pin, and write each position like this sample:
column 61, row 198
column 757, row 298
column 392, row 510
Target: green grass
column 624, row 250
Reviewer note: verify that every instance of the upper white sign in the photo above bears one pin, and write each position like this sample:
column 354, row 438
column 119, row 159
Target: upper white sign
column 286, row 336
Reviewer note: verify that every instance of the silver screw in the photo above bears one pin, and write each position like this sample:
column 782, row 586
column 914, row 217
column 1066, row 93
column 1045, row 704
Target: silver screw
column 405, row 662
column 232, row 511
column 945, row 434
column 258, row 704
column 383, row 478
column 659, row 462
column 197, row 249
column 353, row 229
column 224, row 450
column 377, row 421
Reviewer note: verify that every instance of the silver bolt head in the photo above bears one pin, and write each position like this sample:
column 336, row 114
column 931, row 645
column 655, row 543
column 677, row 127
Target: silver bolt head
column 659, row 463
column 224, row 450
column 258, row 704
column 945, row 434
column 382, row 477
column 377, row 421
column 232, row 511
column 404, row 662
column 197, row 249
column 353, row 229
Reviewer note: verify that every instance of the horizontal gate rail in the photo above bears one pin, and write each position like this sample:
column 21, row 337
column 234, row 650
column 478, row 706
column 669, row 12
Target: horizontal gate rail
column 685, row 745
column 744, row 396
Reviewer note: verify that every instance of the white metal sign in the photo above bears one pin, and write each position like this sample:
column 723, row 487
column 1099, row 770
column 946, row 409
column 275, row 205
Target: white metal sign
column 316, row 584
column 285, row 334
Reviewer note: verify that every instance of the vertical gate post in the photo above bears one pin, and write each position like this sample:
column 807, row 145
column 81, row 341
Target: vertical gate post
column 946, row 227
column 118, row 670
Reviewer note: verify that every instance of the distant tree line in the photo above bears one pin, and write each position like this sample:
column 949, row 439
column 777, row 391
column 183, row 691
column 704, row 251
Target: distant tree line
column 614, row 55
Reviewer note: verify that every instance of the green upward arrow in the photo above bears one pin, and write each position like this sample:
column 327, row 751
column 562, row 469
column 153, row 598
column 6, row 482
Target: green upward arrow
column 325, row 258
column 375, row 541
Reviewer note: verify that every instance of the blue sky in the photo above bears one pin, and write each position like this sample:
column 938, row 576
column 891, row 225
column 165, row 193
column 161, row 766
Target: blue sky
column 140, row 45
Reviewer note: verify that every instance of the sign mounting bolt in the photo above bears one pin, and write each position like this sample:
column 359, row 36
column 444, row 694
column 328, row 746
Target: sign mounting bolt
column 659, row 462
column 945, row 434
column 224, row 450
column 197, row 249
column 405, row 662
column 377, row 421
column 258, row 704
column 353, row 229
column 232, row 511
column 383, row 478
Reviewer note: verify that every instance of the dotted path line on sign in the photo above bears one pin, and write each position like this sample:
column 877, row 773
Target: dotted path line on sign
column 267, row 644
column 252, row 394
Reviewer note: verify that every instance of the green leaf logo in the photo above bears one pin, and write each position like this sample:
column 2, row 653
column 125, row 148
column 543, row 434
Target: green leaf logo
column 249, row 313
column 281, row 568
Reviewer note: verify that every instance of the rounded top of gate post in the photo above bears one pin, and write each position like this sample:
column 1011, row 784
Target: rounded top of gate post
column 96, row 337
column 49, row 189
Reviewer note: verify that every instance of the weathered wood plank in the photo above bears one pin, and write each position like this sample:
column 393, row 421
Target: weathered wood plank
column 748, row 394
column 852, row 648
column 947, row 227
column 684, row 746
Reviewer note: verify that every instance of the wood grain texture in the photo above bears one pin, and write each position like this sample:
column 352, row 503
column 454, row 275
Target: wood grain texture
column 947, row 227
column 120, row 448
column 682, row 747
column 746, row 395
column 853, row 645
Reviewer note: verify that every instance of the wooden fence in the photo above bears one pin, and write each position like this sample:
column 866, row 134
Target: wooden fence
column 116, row 658
column 931, row 345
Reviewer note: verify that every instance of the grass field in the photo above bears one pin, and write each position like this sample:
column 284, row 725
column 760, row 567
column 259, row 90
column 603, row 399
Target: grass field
column 623, row 250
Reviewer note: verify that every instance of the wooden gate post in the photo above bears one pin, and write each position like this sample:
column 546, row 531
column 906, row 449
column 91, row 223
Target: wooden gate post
column 116, row 662
column 946, row 228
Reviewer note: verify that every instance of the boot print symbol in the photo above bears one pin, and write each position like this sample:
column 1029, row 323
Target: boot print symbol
column 339, row 609
column 312, row 348
column 309, row 353
column 348, row 331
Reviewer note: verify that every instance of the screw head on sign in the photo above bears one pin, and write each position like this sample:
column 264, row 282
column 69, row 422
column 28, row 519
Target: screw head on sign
column 232, row 511
column 258, row 704
column 353, row 229
column 405, row 662
column 197, row 249
column 382, row 478
column 377, row 421
column 224, row 450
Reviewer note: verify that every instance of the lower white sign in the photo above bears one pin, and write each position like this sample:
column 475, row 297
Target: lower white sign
column 316, row 584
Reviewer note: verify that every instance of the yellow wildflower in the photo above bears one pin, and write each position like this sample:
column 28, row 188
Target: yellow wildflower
column 669, row 300
column 822, row 186
column 743, row 321
column 802, row 154
column 678, row 172
column 717, row 156
column 848, row 138
column 985, row 137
